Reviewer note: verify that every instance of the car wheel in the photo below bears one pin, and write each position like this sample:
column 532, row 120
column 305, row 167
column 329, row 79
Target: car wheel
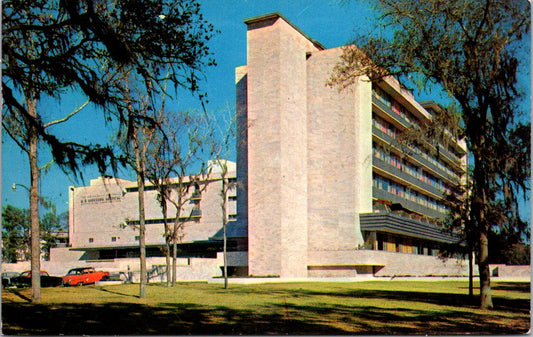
column 79, row 284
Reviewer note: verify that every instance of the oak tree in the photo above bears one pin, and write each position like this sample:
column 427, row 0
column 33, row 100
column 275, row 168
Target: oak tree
column 54, row 48
column 472, row 50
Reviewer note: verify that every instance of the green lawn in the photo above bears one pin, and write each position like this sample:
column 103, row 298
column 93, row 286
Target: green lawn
column 371, row 307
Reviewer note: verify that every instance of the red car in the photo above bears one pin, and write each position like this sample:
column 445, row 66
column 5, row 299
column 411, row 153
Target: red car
column 81, row 276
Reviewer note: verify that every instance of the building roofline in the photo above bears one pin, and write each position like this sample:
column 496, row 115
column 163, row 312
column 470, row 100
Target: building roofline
column 277, row 15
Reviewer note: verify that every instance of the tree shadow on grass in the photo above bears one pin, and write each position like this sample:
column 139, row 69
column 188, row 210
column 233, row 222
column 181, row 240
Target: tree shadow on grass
column 20, row 295
column 107, row 290
column 386, row 321
column 523, row 287
column 328, row 316
column 139, row 319
column 438, row 298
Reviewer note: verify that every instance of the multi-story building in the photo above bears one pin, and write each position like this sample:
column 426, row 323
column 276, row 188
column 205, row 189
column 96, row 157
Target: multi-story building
column 104, row 219
column 324, row 185
column 325, row 188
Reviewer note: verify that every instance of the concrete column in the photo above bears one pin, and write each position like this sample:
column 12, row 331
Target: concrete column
column 277, row 147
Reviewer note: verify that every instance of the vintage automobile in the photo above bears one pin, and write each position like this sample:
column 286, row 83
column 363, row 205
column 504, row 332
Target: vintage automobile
column 85, row 275
column 7, row 276
column 24, row 280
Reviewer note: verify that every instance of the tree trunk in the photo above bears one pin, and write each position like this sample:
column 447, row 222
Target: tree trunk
column 139, row 163
column 470, row 275
column 167, row 234
column 174, row 258
column 175, row 235
column 224, row 226
column 225, row 259
column 484, row 272
column 167, row 261
column 167, row 245
column 34, row 204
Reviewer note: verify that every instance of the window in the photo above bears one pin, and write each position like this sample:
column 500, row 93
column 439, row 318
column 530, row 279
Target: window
column 91, row 240
column 137, row 238
column 382, row 96
column 113, row 239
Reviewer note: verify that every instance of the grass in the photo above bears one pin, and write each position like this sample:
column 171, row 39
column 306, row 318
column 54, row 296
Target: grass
column 336, row 308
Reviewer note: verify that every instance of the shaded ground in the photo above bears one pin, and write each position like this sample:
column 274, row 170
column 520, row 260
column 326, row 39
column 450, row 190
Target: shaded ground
column 279, row 311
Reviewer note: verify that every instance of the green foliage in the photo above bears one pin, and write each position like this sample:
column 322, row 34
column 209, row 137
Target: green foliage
column 50, row 225
column 508, row 250
column 472, row 49
column 15, row 234
column 80, row 45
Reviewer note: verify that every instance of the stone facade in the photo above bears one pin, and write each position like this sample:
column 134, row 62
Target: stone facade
column 306, row 162
column 322, row 190
column 103, row 226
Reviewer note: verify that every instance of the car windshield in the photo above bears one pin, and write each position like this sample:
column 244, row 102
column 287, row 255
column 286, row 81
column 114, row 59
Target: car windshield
column 25, row 274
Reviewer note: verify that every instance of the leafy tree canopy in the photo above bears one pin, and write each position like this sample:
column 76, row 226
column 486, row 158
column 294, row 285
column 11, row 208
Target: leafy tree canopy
column 50, row 47
column 472, row 49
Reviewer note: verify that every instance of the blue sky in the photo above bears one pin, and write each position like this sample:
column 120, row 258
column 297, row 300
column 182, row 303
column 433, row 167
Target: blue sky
column 331, row 23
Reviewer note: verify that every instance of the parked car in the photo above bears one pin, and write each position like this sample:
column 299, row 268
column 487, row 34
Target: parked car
column 24, row 280
column 7, row 277
column 86, row 275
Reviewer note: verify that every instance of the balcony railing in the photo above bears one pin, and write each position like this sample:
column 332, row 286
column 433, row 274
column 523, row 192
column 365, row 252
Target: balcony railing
column 408, row 204
column 432, row 167
column 388, row 111
column 394, row 171
column 405, row 123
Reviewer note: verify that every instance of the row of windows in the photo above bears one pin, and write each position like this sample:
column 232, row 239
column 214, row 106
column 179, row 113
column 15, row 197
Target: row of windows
column 396, row 107
column 231, row 217
column 114, row 239
column 401, row 111
column 399, row 244
column 390, row 130
column 406, row 193
column 410, row 169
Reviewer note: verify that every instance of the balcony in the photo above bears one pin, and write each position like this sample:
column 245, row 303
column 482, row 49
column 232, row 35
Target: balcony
column 413, row 181
column 395, row 223
column 417, row 157
column 391, row 114
column 408, row 204
column 450, row 158
column 197, row 195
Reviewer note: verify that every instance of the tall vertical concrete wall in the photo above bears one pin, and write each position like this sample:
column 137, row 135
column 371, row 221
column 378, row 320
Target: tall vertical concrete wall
column 277, row 166
column 339, row 156
column 240, row 227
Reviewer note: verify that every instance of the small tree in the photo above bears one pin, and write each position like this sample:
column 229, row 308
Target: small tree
column 222, row 133
column 175, row 154
column 187, row 154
